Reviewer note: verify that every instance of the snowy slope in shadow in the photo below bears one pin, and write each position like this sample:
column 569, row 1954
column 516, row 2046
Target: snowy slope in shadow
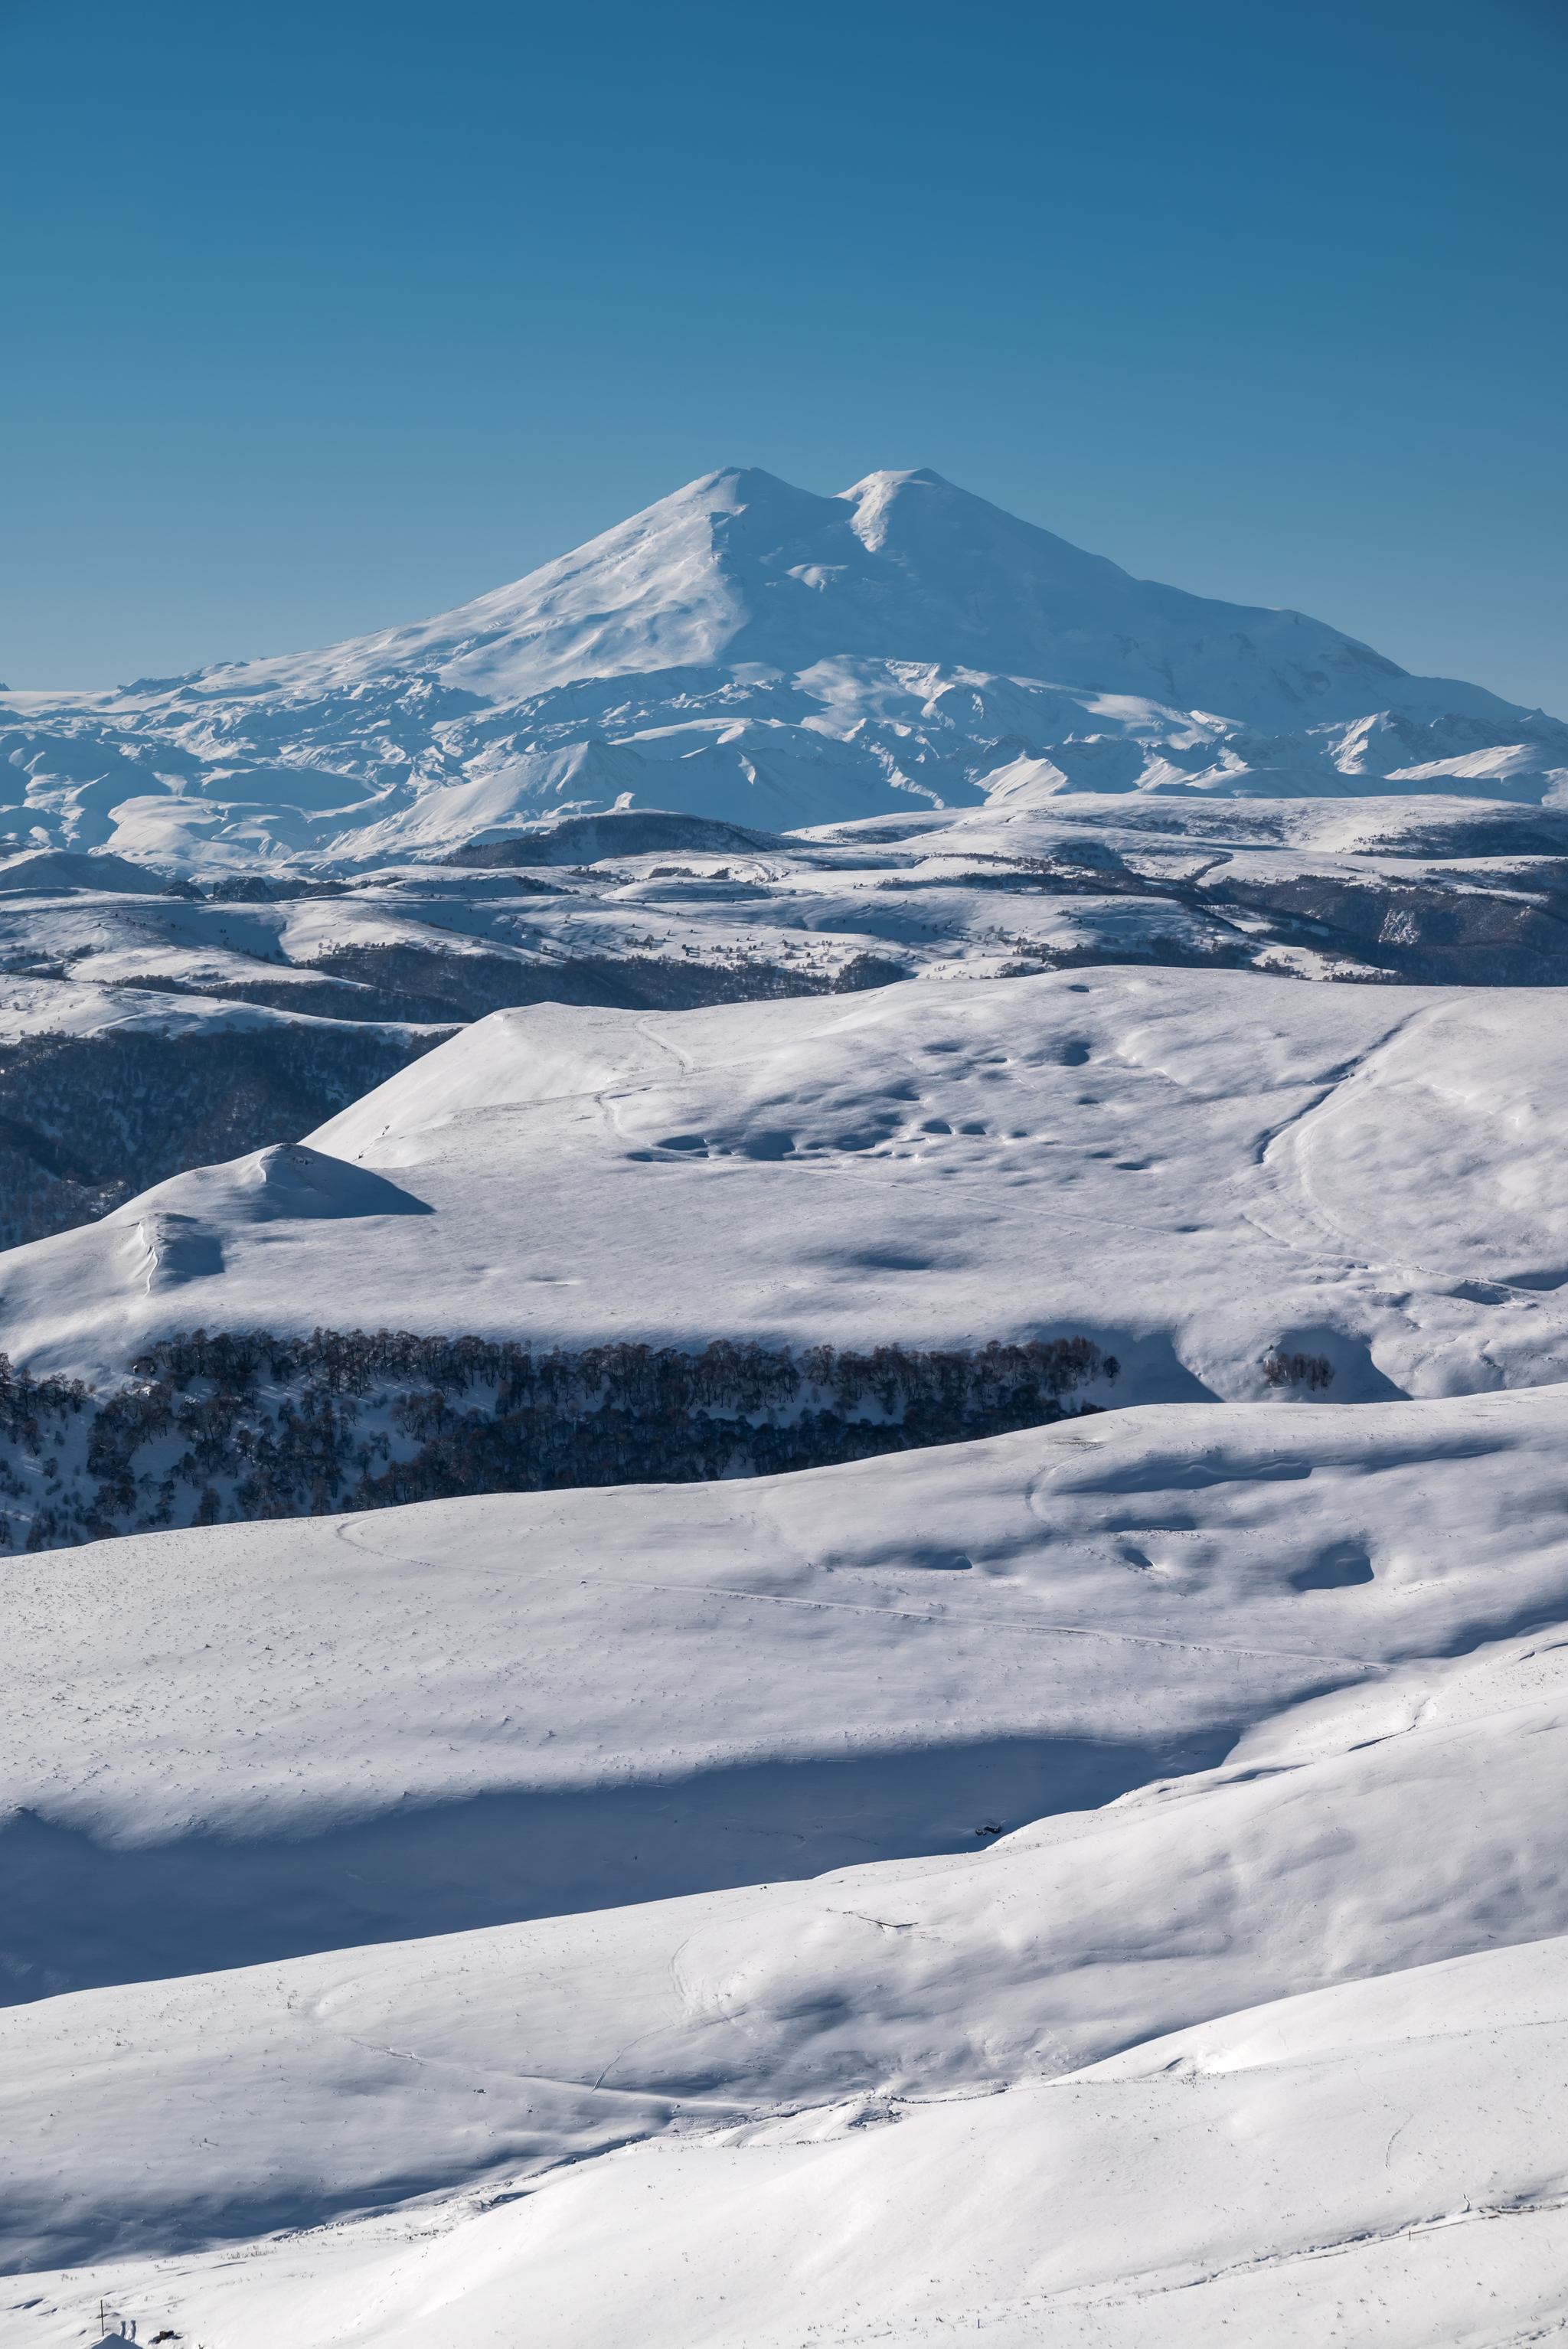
column 294, row 1736
column 1391, row 2183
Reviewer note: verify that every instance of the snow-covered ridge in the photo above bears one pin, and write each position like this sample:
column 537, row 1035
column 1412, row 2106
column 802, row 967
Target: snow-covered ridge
column 760, row 654
column 1190, row 1959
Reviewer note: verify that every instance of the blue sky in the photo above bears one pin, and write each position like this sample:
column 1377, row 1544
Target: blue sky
column 321, row 317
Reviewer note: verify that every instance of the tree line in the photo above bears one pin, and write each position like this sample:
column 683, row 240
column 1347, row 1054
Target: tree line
column 238, row 1425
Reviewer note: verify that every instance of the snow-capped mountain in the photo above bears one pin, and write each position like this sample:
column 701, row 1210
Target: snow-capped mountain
column 750, row 652
column 1080, row 1857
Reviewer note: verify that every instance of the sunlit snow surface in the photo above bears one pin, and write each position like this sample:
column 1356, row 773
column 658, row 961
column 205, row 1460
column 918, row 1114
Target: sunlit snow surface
column 1193, row 1169
column 696, row 1914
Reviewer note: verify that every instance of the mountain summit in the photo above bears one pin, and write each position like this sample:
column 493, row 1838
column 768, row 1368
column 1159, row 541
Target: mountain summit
column 740, row 569
column 754, row 652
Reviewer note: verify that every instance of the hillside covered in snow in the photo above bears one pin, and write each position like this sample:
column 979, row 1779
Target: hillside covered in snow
column 764, row 656
column 752, row 743
column 144, row 1030
column 1100, row 1884
column 1179, row 1183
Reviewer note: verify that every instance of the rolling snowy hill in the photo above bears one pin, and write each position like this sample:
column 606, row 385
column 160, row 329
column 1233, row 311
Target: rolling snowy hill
column 1179, row 1183
column 1008, row 755
column 143, row 1031
column 1167, row 2048
column 757, row 654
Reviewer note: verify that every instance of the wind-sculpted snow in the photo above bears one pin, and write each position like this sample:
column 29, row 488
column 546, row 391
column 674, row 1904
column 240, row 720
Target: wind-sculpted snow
column 757, row 654
column 799, row 981
column 1407, row 2188
column 1139, row 1587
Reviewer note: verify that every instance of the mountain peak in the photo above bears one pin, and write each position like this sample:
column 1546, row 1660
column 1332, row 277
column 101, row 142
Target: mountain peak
column 749, row 651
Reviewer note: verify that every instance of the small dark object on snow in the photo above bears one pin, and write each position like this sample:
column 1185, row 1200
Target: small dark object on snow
column 1309, row 1371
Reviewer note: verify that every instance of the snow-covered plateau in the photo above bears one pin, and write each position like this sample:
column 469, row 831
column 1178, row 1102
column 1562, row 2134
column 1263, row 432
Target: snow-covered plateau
column 1171, row 1184
column 142, row 1032
column 783, row 1539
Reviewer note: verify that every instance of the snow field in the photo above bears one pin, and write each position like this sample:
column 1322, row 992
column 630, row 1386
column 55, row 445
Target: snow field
column 1386, row 2166
column 1142, row 1579
column 1099, row 1885
column 1273, row 2041
column 1405, row 1816
column 1191, row 1168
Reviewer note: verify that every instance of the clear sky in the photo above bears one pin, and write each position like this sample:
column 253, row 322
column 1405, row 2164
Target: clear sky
column 323, row 317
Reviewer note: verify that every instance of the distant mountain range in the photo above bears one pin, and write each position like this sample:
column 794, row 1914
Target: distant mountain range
column 757, row 654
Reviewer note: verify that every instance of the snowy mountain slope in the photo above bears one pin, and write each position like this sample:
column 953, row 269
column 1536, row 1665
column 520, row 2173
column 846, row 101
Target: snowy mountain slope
column 747, row 651
column 472, row 1711
column 1191, row 1169
column 112, row 1006
column 1102, row 1880
column 272, row 1678
column 107, row 993
column 739, row 566
column 238, row 1741
column 105, row 1087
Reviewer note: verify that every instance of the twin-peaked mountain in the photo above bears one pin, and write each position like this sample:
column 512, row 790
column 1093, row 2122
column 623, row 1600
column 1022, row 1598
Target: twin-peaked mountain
column 751, row 652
